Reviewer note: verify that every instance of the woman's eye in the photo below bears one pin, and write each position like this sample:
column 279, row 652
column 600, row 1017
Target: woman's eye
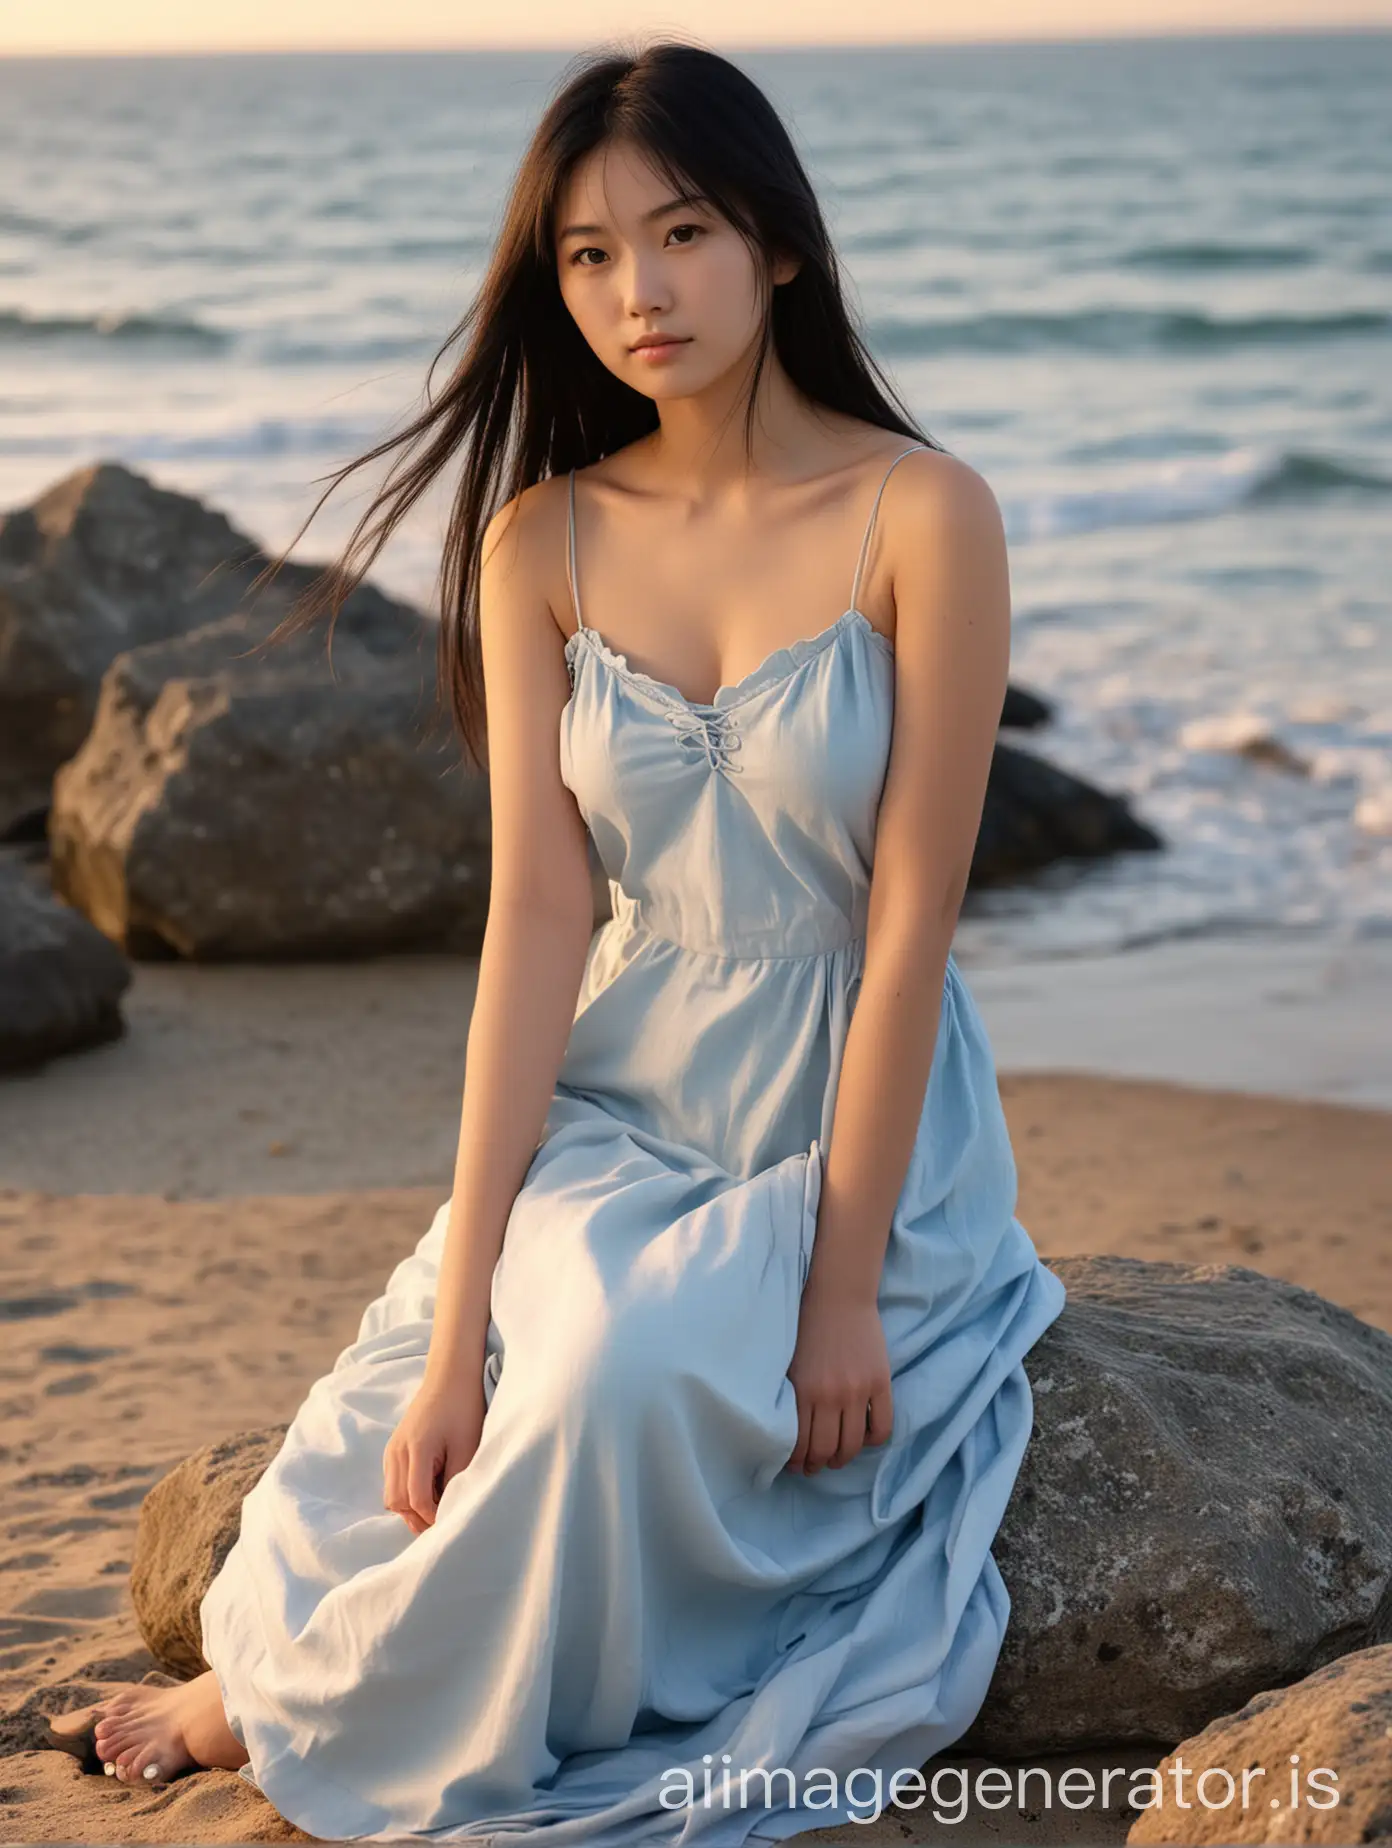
column 592, row 250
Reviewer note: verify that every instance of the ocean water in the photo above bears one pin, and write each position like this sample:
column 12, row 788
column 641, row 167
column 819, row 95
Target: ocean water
column 1144, row 287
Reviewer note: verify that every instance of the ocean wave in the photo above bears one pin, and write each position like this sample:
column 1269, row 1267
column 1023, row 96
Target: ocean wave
column 52, row 230
column 22, row 222
column 121, row 330
column 375, row 350
column 1117, row 330
column 266, row 436
column 1191, row 488
column 1216, row 254
column 1301, row 474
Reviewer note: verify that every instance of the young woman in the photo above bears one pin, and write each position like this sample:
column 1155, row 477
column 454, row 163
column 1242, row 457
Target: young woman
column 659, row 1485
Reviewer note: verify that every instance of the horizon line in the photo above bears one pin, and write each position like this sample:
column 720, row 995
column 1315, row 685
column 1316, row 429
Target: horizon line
column 1338, row 29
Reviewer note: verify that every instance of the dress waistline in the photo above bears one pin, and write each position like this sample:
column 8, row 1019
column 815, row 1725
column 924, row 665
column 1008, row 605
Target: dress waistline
column 629, row 912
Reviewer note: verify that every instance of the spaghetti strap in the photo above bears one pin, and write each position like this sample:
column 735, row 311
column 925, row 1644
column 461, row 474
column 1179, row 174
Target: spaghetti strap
column 870, row 523
column 571, row 577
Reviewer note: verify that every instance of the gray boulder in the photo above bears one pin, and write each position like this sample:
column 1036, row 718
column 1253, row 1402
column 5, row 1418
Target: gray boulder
column 230, row 802
column 61, row 980
column 1035, row 814
column 101, row 562
column 1204, row 1510
column 1023, row 710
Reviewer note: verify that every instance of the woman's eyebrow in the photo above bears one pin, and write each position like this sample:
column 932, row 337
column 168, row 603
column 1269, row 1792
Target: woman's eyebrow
column 669, row 205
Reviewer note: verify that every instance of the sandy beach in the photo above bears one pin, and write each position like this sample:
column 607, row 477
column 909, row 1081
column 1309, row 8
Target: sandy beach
column 194, row 1217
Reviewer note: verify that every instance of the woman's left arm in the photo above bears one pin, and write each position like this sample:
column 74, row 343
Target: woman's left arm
column 945, row 544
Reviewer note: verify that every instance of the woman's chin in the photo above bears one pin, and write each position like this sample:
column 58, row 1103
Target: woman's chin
column 671, row 381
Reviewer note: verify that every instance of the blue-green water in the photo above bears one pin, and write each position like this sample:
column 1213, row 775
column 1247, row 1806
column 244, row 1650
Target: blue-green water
column 1145, row 287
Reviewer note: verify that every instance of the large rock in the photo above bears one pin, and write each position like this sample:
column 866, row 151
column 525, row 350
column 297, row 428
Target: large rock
column 1338, row 1720
column 290, row 802
column 1024, row 711
column 189, row 1523
column 1035, row 813
column 101, row 562
column 1204, row 1510
column 61, row 980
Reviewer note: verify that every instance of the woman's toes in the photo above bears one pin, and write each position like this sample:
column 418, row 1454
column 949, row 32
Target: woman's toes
column 125, row 1757
column 143, row 1760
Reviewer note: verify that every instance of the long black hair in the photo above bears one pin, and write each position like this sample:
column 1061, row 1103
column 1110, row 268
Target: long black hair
column 528, row 397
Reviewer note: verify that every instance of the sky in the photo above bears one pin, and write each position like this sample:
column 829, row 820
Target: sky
column 134, row 26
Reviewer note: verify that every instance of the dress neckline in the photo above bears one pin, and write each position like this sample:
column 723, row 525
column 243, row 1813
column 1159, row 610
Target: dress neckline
column 776, row 667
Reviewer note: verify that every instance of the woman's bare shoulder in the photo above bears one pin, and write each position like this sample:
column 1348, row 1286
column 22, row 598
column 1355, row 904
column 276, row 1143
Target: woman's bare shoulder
column 936, row 484
column 524, row 518
column 525, row 541
column 945, row 477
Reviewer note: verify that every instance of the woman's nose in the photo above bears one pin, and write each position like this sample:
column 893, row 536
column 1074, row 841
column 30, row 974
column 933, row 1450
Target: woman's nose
column 646, row 289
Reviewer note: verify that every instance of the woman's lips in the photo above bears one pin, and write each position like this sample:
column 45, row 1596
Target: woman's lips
column 662, row 350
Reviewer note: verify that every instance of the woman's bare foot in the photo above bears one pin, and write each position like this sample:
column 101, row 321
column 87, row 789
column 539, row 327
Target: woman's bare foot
column 174, row 1728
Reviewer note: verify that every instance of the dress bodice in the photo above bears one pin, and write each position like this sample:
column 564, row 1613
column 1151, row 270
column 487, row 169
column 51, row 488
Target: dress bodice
column 744, row 826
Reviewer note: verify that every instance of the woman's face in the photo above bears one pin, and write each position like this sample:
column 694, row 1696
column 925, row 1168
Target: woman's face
column 633, row 260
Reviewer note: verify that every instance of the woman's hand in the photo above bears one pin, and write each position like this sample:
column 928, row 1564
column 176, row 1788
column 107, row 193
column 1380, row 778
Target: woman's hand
column 840, row 1373
column 435, row 1440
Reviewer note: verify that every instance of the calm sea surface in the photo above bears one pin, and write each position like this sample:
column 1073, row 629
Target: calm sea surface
column 1145, row 288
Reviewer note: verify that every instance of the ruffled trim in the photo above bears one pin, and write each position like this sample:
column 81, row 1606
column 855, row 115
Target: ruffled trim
column 777, row 667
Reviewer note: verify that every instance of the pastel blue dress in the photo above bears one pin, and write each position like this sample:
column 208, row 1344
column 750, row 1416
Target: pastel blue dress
column 629, row 1623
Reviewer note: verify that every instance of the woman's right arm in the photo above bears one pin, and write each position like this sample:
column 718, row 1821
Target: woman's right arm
column 540, row 919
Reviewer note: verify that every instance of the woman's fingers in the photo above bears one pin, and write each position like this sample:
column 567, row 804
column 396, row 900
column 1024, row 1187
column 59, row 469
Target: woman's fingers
column 881, row 1416
column 819, row 1433
column 832, row 1432
column 853, row 1420
column 420, row 1482
column 394, row 1488
column 826, row 1434
column 804, row 1431
column 434, row 1441
column 864, row 1421
column 391, row 1478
